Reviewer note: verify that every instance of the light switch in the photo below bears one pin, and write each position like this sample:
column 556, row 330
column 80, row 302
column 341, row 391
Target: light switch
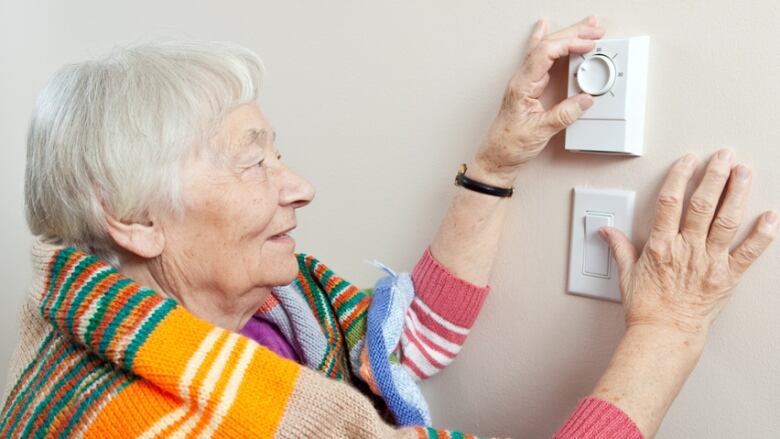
column 592, row 270
column 615, row 74
column 596, row 259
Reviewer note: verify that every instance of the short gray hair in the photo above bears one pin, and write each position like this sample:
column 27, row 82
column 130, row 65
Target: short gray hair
column 115, row 132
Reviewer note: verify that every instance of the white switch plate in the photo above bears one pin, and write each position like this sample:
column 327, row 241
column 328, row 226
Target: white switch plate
column 592, row 270
column 615, row 124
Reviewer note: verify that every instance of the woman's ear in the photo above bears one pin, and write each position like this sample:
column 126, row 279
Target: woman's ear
column 144, row 240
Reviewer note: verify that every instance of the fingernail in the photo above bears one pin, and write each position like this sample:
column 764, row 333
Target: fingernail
column 585, row 101
column 724, row 154
column 771, row 217
column 743, row 172
column 603, row 232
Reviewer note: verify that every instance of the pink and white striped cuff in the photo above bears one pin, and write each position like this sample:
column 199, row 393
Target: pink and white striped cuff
column 456, row 300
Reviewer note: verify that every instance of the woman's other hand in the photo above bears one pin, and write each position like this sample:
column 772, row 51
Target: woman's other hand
column 677, row 285
column 685, row 274
column 523, row 126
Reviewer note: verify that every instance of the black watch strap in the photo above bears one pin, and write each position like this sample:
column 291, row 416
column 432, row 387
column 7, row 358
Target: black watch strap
column 478, row 186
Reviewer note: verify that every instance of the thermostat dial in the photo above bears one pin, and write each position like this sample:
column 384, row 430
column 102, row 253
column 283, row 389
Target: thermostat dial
column 596, row 74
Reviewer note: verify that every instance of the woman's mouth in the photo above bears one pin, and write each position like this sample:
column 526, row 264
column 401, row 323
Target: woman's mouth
column 282, row 238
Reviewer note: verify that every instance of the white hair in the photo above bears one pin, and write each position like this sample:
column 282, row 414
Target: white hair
column 113, row 134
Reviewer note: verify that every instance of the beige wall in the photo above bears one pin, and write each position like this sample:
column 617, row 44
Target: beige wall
column 378, row 102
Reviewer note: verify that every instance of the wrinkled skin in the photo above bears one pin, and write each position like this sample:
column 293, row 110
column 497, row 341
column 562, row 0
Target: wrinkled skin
column 523, row 127
column 685, row 274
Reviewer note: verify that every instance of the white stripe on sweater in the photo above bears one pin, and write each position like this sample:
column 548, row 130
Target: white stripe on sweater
column 231, row 390
column 430, row 349
column 412, row 354
column 422, row 342
column 209, row 383
column 441, row 320
column 413, row 323
column 187, row 377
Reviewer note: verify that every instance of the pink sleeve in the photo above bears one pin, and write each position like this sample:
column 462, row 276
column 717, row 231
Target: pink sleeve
column 439, row 318
column 595, row 418
column 437, row 323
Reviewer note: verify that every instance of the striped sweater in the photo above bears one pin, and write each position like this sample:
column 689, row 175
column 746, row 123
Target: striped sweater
column 102, row 356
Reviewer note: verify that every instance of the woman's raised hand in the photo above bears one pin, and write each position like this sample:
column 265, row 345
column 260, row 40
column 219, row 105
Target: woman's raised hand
column 523, row 126
column 685, row 273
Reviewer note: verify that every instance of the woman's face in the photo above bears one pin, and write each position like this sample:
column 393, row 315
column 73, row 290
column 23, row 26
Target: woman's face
column 239, row 206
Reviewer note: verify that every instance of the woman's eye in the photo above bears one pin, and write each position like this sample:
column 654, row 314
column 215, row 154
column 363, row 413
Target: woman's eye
column 260, row 163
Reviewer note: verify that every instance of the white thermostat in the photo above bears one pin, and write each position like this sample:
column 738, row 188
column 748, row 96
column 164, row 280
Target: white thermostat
column 615, row 74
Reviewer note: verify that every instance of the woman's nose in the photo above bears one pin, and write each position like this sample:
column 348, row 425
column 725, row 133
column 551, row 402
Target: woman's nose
column 296, row 191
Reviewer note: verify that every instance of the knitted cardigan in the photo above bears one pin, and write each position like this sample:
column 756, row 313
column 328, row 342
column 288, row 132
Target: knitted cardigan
column 101, row 356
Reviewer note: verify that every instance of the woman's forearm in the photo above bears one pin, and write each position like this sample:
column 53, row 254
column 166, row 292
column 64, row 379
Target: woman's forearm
column 467, row 239
column 647, row 371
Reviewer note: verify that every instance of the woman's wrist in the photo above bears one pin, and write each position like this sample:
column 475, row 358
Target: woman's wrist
column 487, row 172
column 647, row 371
column 684, row 344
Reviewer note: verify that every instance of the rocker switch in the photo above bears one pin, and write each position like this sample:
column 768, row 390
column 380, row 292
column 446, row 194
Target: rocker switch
column 596, row 260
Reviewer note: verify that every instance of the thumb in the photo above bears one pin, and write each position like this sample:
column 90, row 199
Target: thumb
column 623, row 250
column 567, row 111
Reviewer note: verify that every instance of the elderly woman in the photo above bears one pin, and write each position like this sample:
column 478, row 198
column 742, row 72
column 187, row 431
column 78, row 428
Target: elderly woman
column 168, row 299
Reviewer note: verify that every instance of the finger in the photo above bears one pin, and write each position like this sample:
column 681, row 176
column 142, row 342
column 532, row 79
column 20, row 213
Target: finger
column 757, row 241
column 566, row 112
column 536, row 88
column 729, row 216
column 588, row 27
column 704, row 201
column 540, row 30
column 668, row 206
column 541, row 59
column 623, row 250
